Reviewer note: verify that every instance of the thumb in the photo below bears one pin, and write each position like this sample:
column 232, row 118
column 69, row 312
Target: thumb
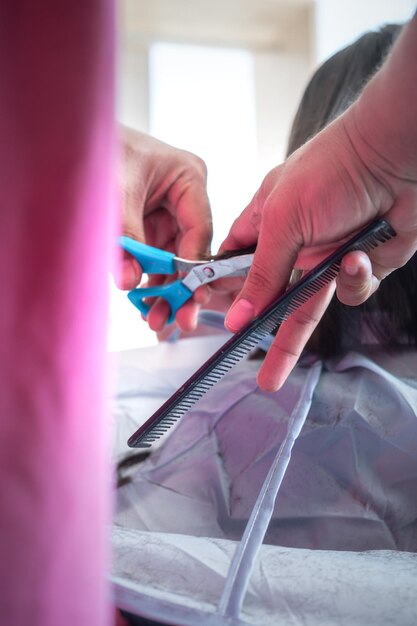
column 128, row 272
column 356, row 282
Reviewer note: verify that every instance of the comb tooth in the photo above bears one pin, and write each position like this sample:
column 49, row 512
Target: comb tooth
column 213, row 378
column 221, row 371
column 177, row 418
column 247, row 344
column 239, row 350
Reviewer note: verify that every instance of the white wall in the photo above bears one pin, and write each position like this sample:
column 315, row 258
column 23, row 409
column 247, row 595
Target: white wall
column 133, row 82
column 280, row 78
column 203, row 100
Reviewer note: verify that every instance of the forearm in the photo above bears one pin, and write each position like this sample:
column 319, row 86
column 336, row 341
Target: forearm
column 385, row 116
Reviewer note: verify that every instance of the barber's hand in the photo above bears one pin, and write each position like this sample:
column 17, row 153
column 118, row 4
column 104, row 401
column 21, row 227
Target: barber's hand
column 305, row 209
column 164, row 204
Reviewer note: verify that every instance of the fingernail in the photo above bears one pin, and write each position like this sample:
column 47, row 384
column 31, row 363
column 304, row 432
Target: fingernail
column 351, row 269
column 239, row 314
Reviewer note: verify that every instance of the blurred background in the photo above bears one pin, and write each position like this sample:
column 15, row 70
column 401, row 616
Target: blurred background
column 223, row 78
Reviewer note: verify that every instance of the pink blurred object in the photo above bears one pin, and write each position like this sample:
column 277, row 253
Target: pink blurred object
column 57, row 149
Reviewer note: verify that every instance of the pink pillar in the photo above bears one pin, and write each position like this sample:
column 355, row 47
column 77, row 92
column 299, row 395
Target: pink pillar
column 56, row 192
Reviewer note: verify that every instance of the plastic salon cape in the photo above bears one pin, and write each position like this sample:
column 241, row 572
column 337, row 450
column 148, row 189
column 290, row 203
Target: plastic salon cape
column 344, row 524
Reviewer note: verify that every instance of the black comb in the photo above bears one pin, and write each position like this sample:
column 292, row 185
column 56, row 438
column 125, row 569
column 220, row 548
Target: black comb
column 250, row 335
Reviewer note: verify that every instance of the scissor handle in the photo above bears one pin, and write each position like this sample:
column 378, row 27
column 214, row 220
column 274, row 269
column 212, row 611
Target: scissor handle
column 152, row 260
column 175, row 293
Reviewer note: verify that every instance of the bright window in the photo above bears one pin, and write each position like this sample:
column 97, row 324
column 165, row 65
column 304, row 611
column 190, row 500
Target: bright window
column 203, row 99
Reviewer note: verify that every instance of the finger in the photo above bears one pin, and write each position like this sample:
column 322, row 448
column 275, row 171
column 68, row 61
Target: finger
column 194, row 243
column 187, row 316
column 245, row 229
column 275, row 256
column 356, row 282
column 158, row 315
column 160, row 310
column 128, row 272
column 190, row 204
column 292, row 336
column 228, row 285
column 161, row 229
column 202, row 295
column 132, row 185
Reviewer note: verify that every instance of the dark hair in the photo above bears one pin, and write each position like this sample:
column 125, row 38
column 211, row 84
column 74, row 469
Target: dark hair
column 391, row 313
column 124, row 466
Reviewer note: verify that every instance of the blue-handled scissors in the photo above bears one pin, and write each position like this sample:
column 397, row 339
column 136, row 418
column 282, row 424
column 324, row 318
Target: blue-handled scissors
column 197, row 273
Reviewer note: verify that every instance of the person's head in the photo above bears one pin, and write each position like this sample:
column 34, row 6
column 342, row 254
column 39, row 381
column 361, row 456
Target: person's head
column 391, row 313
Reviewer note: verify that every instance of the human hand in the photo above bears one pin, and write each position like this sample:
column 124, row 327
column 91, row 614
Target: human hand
column 164, row 204
column 306, row 208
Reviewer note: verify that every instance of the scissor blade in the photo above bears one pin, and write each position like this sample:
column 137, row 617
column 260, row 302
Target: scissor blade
column 186, row 265
column 225, row 268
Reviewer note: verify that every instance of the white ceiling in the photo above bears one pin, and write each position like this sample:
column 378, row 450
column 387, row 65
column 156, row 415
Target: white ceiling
column 259, row 24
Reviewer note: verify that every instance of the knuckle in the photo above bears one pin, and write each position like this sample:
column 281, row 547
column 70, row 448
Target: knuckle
column 276, row 350
column 259, row 281
column 303, row 317
column 196, row 164
column 201, row 165
column 354, row 292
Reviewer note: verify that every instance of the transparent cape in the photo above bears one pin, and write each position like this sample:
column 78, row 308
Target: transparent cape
column 300, row 507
